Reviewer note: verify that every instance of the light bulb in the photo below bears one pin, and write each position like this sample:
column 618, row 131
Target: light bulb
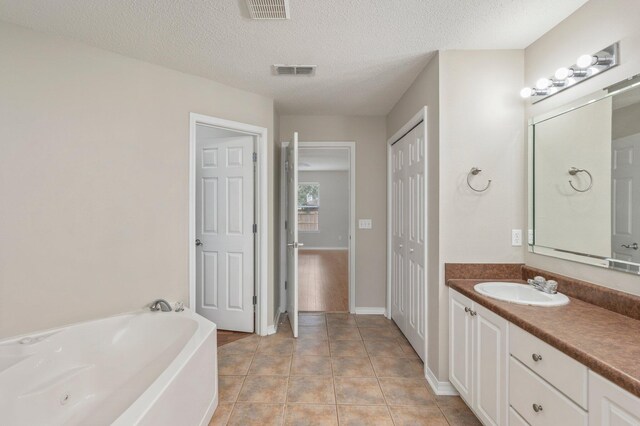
column 526, row 92
column 543, row 83
column 585, row 61
column 563, row 73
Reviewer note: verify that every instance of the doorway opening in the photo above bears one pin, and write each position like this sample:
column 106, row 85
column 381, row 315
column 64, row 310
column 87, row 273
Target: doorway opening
column 228, row 223
column 325, row 204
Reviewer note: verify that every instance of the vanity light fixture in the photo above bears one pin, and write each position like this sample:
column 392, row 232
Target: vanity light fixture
column 586, row 66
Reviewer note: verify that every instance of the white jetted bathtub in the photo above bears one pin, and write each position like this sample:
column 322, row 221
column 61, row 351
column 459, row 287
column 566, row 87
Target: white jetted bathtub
column 147, row 368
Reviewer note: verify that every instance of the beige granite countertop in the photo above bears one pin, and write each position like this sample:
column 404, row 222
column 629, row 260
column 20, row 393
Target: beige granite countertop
column 606, row 342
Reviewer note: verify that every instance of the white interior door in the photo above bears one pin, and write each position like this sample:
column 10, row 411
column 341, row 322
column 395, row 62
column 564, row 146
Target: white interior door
column 292, row 233
column 399, row 259
column 408, row 220
column 626, row 198
column 224, row 231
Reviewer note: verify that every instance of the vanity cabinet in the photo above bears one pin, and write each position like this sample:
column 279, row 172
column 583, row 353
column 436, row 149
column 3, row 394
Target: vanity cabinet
column 478, row 358
column 508, row 376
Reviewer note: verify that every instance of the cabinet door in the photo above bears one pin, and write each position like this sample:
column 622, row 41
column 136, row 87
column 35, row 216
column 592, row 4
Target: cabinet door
column 490, row 366
column 460, row 340
column 610, row 405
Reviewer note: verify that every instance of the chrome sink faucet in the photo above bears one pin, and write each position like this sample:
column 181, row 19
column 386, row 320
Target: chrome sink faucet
column 160, row 305
column 541, row 284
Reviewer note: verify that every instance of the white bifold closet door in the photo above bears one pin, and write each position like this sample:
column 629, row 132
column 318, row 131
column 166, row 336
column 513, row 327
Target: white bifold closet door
column 408, row 237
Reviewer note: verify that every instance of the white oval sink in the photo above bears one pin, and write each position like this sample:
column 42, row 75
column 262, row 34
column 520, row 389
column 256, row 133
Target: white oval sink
column 521, row 294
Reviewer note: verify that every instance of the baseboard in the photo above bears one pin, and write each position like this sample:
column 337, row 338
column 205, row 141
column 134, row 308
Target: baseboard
column 444, row 388
column 273, row 329
column 324, row 248
column 370, row 311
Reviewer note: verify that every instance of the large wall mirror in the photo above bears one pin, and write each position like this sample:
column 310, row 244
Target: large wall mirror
column 584, row 182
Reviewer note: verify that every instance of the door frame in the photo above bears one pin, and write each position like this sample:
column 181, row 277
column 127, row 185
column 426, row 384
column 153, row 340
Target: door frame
column 420, row 117
column 260, row 205
column 351, row 147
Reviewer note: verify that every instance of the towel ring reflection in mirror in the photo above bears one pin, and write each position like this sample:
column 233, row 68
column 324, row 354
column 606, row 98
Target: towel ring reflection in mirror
column 574, row 171
column 473, row 172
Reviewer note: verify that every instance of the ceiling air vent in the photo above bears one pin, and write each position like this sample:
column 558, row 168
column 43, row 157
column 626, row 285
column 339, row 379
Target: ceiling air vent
column 294, row 69
column 269, row 9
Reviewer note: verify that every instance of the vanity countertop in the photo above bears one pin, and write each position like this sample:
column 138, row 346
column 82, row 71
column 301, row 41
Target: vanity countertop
column 606, row 342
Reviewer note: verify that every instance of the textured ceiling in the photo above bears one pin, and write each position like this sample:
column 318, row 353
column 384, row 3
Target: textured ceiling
column 367, row 51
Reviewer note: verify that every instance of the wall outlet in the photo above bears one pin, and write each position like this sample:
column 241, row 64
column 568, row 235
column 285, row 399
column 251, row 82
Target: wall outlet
column 516, row 237
column 365, row 224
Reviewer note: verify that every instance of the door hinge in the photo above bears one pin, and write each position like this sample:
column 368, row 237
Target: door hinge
column 255, row 300
column 255, row 157
column 285, row 285
column 255, row 228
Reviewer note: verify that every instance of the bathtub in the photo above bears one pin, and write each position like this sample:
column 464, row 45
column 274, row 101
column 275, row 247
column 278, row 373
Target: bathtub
column 146, row 368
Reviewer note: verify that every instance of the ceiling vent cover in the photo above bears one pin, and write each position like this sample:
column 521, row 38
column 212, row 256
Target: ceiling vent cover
column 294, row 69
column 269, row 9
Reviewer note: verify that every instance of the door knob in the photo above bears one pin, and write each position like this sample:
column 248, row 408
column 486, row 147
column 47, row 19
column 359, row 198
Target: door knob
column 633, row 246
column 295, row 244
column 198, row 243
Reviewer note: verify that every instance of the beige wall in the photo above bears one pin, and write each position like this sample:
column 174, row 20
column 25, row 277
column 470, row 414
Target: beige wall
column 371, row 167
column 475, row 119
column 481, row 124
column 594, row 26
column 425, row 91
column 94, row 178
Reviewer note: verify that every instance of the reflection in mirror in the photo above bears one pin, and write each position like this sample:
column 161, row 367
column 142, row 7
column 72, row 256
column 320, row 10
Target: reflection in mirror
column 585, row 165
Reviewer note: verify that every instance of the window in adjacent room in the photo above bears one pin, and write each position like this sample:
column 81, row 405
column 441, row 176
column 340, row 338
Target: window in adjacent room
column 308, row 207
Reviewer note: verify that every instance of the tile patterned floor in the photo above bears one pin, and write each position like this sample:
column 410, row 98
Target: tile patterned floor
column 343, row 369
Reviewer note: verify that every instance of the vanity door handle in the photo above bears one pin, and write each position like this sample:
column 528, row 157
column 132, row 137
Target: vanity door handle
column 536, row 357
column 472, row 313
column 537, row 408
column 633, row 246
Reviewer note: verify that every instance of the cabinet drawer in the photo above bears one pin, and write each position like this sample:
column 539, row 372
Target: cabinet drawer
column 527, row 389
column 516, row 419
column 562, row 371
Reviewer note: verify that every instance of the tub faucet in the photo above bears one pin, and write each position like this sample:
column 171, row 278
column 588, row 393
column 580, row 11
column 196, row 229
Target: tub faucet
column 160, row 305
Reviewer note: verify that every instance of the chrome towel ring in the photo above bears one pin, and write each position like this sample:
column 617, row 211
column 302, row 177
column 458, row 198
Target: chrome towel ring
column 574, row 171
column 474, row 171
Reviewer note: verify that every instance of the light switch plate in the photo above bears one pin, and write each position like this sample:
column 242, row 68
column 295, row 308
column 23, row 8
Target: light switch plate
column 516, row 237
column 365, row 224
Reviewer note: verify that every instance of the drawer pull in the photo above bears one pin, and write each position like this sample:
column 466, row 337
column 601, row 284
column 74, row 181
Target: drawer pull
column 473, row 313
column 537, row 408
column 467, row 309
column 536, row 357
